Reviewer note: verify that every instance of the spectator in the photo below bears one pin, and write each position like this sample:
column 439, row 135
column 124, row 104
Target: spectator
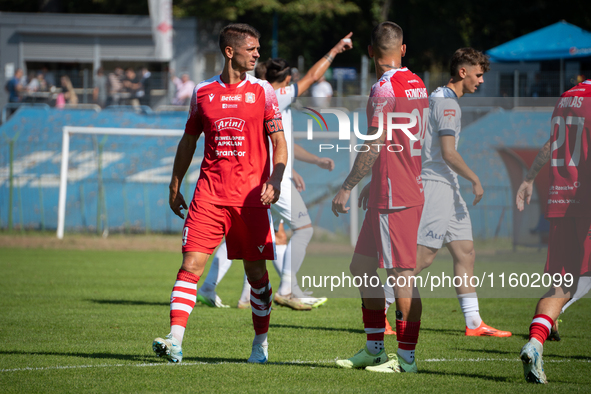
column 99, row 93
column 115, row 86
column 29, row 79
column 14, row 86
column 69, row 94
column 145, row 92
column 37, row 84
column 131, row 85
column 322, row 92
column 184, row 89
column 48, row 76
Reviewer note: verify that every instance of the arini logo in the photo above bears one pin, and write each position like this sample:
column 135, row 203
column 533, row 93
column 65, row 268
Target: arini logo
column 229, row 123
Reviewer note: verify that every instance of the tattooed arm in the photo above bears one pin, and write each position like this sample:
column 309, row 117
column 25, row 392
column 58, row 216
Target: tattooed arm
column 526, row 189
column 363, row 163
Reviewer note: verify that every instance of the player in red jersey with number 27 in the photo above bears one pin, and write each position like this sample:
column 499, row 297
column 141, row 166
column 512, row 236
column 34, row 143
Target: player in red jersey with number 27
column 237, row 114
column 569, row 212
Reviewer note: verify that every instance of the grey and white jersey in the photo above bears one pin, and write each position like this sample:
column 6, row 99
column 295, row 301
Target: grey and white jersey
column 284, row 99
column 445, row 118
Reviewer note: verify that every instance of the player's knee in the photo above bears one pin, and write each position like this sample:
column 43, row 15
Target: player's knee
column 359, row 268
column 303, row 234
column 424, row 259
column 192, row 264
column 466, row 259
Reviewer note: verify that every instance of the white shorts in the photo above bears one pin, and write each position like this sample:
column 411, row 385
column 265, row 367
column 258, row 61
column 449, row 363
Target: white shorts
column 291, row 206
column 445, row 216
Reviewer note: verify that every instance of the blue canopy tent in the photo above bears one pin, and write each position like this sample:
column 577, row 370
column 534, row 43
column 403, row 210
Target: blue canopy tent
column 555, row 42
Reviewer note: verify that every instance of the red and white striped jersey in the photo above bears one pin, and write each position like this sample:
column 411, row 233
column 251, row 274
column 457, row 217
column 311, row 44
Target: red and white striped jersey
column 396, row 175
column 570, row 162
column 236, row 158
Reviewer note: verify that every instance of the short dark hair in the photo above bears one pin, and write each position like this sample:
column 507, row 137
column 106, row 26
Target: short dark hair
column 385, row 36
column 468, row 56
column 277, row 70
column 260, row 71
column 233, row 34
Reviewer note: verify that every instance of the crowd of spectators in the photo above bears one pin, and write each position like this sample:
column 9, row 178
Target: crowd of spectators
column 117, row 87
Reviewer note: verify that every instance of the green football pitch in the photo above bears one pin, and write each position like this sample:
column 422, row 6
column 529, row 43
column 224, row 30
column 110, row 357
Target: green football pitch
column 84, row 321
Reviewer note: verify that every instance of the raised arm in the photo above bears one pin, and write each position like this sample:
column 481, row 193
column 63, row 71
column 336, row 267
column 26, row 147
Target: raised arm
column 525, row 190
column 455, row 161
column 363, row 163
column 323, row 64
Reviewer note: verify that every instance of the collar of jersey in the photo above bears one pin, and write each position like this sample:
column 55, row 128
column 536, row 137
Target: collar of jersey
column 392, row 72
column 234, row 85
column 451, row 90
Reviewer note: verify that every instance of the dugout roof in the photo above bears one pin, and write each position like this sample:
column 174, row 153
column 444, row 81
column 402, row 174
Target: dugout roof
column 558, row 41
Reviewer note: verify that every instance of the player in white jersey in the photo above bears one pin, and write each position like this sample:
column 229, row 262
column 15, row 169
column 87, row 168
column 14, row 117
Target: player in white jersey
column 445, row 218
column 291, row 206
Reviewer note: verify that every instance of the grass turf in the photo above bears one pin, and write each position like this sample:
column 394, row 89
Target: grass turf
column 83, row 321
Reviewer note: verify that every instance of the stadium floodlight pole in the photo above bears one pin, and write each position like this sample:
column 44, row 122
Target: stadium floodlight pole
column 67, row 130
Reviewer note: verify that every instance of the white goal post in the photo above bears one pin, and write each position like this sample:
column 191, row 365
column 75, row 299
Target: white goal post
column 67, row 130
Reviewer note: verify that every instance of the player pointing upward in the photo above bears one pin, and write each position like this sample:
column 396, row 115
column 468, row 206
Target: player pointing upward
column 236, row 113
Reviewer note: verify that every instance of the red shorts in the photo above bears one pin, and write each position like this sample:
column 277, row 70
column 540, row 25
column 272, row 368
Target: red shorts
column 249, row 231
column 569, row 246
column 391, row 236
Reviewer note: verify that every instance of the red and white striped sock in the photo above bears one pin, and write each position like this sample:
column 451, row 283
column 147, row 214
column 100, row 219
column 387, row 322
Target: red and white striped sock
column 260, row 303
column 182, row 301
column 540, row 328
column 374, row 323
column 407, row 335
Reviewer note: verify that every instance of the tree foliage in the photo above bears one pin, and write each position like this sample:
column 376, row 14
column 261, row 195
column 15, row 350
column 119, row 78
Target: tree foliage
column 433, row 29
column 232, row 10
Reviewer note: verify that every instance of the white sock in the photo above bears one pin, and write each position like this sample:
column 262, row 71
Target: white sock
column 407, row 355
column 178, row 332
column 245, row 296
column 469, row 305
column 296, row 252
column 582, row 288
column 538, row 345
column 219, row 267
column 374, row 347
column 278, row 263
column 283, row 267
column 390, row 298
column 260, row 339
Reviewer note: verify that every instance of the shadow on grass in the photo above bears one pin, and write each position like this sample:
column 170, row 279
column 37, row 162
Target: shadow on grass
column 492, row 351
column 219, row 360
column 129, row 302
column 115, row 356
column 467, row 375
column 583, row 358
column 445, row 331
column 350, row 330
